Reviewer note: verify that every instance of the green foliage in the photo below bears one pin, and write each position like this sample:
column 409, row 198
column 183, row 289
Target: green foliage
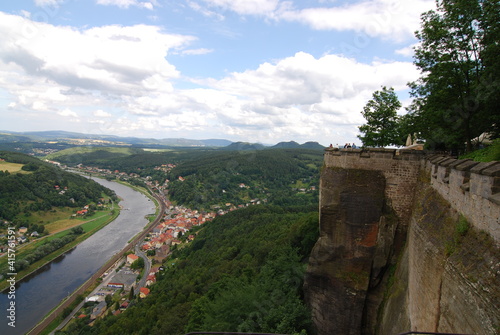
column 457, row 97
column 243, row 272
column 216, row 179
column 138, row 264
column 488, row 154
column 381, row 128
column 462, row 227
column 24, row 193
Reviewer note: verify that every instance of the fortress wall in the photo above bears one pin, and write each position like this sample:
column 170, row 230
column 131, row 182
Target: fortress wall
column 399, row 167
column 471, row 188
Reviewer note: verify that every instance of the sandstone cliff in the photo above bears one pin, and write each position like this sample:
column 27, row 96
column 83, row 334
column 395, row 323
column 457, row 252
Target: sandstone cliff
column 394, row 256
column 449, row 278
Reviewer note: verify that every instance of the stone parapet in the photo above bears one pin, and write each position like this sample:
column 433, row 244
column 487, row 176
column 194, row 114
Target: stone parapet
column 471, row 188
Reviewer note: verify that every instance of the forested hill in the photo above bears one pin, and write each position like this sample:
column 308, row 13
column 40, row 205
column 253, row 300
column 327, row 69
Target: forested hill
column 243, row 272
column 277, row 176
column 205, row 178
column 28, row 184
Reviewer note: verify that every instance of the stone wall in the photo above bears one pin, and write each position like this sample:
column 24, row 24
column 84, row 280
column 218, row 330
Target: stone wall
column 452, row 276
column 471, row 188
column 399, row 167
column 441, row 280
column 365, row 206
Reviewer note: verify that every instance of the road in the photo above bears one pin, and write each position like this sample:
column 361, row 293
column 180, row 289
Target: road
column 147, row 266
column 58, row 310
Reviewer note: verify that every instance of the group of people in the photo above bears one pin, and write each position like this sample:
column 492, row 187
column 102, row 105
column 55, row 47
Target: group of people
column 346, row 146
column 349, row 145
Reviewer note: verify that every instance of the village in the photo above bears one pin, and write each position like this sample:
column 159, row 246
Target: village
column 131, row 277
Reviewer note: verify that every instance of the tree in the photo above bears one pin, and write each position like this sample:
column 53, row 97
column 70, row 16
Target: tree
column 137, row 264
column 380, row 113
column 456, row 98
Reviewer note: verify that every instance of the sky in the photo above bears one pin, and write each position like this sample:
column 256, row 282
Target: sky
column 244, row 70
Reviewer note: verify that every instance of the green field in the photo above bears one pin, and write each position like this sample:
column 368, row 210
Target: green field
column 11, row 167
column 87, row 150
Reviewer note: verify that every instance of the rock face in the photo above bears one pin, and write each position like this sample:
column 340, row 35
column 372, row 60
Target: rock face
column 385, row 265
column 454, row 271
column 338, row 277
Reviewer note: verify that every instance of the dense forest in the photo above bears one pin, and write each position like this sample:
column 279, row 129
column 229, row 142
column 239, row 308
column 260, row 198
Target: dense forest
column 40, row 186
column 204, row 178
column 243, row 272
column 276, row 176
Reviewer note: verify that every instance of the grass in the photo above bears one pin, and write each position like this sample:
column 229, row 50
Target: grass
column 55, row 219
column 462, row 227
column 98, row 221
column 487, row 154
column 86, row 150
column 12, row 167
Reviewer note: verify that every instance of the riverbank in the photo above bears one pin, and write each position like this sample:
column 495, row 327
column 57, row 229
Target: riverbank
column 53, row 318
column 90, row 227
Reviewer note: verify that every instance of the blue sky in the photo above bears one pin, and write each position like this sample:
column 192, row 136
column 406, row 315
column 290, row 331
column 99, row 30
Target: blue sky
column 244, row 70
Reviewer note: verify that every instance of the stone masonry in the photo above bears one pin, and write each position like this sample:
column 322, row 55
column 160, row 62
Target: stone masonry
column 367, row 203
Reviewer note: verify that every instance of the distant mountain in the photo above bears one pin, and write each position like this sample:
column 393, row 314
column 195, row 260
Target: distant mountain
column 59, row 135
column 312, row 145
column 79, row 139
column 293, row 145
column 244, row 146
column 288, row 145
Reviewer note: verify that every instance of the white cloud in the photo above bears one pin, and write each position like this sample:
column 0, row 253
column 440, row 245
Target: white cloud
column 407, row 51
column 109, row 59
column 205, row 11
column 126, row 3
column 245, row 7
column 25, row 13
column 46, row 3
column 68, row 113
column 390, row 19
column 200, row 51
column 102, row 114
column 118, row 80
column 299, row 97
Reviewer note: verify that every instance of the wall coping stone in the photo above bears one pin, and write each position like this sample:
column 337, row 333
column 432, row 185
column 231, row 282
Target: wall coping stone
column 384, row 153
column 466, row 166
column 458, row 162
column 482, row 166
column 447, row 162
column 493, row 171
column 437, row 160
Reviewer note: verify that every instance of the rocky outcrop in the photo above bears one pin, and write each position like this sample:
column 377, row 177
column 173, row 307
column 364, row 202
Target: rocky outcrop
column 352, row 251
column 378, row 270
column 454, row 271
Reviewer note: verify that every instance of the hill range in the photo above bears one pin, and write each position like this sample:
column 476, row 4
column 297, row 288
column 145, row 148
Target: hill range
column 63, row 139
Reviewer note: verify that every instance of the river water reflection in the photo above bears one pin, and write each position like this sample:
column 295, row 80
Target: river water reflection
column 41, row 292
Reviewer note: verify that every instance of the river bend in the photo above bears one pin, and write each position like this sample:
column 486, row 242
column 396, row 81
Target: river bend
column 37, row 294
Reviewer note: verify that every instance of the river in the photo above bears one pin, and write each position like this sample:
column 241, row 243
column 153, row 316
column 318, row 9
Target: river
column 37, row 294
